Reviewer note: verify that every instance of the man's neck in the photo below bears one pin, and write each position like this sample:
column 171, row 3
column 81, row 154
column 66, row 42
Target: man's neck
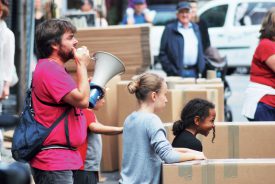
column 57, row 59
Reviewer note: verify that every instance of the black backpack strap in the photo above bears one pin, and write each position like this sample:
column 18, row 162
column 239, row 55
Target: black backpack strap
column 66, row 124
column 46, row 103
column 65, row 113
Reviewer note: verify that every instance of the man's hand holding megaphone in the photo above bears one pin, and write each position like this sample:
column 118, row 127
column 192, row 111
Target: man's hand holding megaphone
column 106, row 67
column 82, row 56
column 96, row 93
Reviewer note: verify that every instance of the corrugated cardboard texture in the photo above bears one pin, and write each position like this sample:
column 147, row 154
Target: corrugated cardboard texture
column 223, row 171
column 241, row 140
column 223, row 144
column 130, row 44
column 107, row 115
column 127, row 103
column 173, row 107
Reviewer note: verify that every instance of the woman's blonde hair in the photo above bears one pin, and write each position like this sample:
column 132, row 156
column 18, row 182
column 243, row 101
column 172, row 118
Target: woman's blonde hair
column 144, row 84
column 268, row 25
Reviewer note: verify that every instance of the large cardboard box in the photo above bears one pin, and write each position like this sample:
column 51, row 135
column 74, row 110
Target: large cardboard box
column 172, row 110
column 127, row 103
column 107, row 115
column 237, row 140
column 223, row 171
column 241, row 140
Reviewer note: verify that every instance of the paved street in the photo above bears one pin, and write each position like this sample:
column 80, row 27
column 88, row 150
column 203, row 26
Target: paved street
column 238, row 84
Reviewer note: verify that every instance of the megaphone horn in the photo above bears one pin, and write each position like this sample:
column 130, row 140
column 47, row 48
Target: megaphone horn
column 106, row 67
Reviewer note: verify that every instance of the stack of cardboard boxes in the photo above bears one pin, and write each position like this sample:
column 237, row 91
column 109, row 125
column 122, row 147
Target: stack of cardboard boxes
column 129, row 43
column 245, row 153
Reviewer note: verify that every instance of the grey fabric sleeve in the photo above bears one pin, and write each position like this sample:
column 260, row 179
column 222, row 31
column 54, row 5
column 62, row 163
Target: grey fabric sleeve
column 159, row 142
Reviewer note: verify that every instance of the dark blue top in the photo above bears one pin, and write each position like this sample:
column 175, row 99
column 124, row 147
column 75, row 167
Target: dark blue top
column 139, row 19
column 171, row 50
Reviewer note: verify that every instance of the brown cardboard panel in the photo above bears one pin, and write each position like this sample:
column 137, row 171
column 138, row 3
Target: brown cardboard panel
column 172, row 81
column 172, row 110
column 127, row 103
column 109, row 161
column 130, row 44
column 108, row 115
column 212, row 96
column 120, row 151
column 220, row 171
column 182, row 173
column 223, row 142
column 169, row 133
column 219, row 87
column 243, row 171
column 256, row 140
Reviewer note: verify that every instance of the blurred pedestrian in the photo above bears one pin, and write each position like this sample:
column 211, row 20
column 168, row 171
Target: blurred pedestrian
column 144, row 138
column 7, row 68
column 201, row 23
column 137, row 13
column 91, row 150
column 7, row 49
column 181, row 51
column 259, row 103
column 53, row 92
column 197, row 117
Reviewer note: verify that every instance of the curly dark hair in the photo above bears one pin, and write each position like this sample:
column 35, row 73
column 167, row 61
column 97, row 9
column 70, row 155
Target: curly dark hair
column 195, row 107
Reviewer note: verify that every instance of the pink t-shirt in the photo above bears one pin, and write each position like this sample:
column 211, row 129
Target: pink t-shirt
column 260, row 72
column 51, row 83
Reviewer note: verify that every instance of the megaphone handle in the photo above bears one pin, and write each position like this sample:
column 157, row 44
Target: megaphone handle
column 95, row 93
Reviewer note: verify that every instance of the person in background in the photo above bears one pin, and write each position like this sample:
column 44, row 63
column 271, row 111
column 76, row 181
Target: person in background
column 137, row 14
column 181, row 51
column 197, row 117
column 201, row 23
column 7, row 49
column 87, row 5
column 56, row 44
column 91, row 150
column 145, row 145
column 259, row 103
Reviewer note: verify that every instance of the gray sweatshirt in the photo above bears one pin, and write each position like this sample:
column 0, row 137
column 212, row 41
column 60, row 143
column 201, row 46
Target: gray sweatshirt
column 144, row 147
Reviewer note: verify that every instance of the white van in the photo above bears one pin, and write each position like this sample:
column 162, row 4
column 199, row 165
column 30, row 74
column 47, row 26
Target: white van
column 233, row 28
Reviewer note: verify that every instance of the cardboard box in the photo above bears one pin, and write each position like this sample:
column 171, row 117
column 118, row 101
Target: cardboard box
column 129, row 43
column 172, row 110
column 169, row 133
column 236, row 140
column 107, row 115
column 223, row 171
column 127, row 103
column 241, row 140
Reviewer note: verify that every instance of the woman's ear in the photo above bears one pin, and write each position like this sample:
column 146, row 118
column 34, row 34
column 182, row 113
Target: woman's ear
column 153, row 96
column 197, row 120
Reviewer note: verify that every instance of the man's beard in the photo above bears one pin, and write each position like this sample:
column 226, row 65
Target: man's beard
column 65, row 55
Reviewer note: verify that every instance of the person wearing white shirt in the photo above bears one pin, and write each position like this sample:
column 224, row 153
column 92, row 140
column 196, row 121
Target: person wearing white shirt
column 181, row 51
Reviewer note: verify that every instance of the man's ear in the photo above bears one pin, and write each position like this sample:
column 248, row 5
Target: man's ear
column 197, row 120
column 55, row 46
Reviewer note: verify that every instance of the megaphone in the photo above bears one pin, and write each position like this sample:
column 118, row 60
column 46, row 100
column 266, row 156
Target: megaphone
column 106, row 67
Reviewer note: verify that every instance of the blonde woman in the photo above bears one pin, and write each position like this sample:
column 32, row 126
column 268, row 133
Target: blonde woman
column 144, row 138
